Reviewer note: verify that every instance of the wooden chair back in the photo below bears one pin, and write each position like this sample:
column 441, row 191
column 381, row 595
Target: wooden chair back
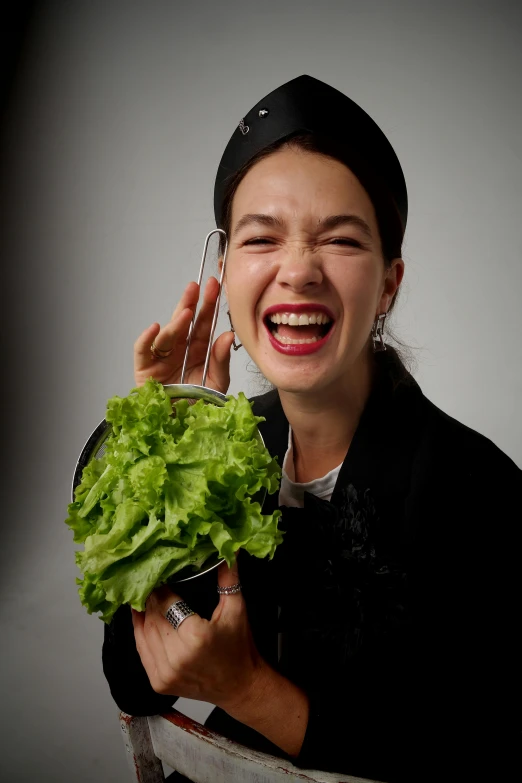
column 204, row 756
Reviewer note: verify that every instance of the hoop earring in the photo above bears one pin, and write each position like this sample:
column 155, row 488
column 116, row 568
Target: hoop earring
column 235, row 346
column 378, row 333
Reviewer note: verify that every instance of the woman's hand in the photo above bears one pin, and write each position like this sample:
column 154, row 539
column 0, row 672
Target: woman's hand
column 174, row 335
column 209, row 660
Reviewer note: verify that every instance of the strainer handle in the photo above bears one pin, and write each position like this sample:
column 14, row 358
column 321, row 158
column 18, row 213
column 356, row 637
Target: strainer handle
column 216, row 308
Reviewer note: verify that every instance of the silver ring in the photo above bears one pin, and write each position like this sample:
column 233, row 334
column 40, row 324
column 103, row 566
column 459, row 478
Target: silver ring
column 229, row 590
column 177, row 612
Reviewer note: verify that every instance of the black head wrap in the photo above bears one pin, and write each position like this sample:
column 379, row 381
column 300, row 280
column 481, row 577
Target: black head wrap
column 307, row 104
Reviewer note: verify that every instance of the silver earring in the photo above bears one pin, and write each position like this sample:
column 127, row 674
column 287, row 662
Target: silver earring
column 378, row 333
column 235, row 346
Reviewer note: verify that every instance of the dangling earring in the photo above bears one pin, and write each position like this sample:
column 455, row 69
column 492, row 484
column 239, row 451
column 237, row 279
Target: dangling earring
column 234, row 344
column 378, row 333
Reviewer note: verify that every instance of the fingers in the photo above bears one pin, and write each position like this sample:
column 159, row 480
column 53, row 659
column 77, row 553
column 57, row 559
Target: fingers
column 173, row 338
column 219, row 367
column 231, row 607
column 176, row 329
column 221, row 349
column 142, row 347
column 159, row 647
column 152, row 655
column 157, row 605
column 228, row 576
column 203, row 322
column 174, row 334
column 189, row 299
column 161, row 598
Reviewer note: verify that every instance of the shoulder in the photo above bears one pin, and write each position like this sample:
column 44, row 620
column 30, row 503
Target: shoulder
column 266, row 404
column 461, row 446
column 274, row 427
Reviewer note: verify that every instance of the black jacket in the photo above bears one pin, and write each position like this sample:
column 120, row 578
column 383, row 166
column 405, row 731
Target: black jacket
column 400, row 601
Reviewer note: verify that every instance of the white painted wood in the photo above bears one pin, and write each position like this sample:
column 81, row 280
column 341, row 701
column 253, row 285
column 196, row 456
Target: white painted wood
column 197, row 710
column 206, row 757
column 144, row 764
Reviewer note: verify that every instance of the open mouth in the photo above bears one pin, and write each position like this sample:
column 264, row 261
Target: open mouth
column 298, row 328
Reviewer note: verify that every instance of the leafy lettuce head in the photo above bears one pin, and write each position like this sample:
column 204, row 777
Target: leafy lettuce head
column 173, row 488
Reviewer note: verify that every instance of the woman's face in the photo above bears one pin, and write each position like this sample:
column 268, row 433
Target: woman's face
column 304, row 284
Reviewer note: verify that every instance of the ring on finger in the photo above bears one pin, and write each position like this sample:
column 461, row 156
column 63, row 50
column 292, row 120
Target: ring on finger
column 177, row 612
column 230, row 590
column 158, row 353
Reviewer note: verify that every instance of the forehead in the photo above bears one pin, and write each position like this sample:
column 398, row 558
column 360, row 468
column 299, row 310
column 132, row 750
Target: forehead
column 301, row 183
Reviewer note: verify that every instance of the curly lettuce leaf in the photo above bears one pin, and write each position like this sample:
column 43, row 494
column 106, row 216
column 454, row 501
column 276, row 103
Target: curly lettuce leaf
column 174, row 487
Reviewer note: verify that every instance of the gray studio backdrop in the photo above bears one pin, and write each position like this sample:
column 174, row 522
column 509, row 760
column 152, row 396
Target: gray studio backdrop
column 120, row 113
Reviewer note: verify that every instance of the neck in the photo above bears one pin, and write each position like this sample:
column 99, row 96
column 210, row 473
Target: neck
column 323, row 424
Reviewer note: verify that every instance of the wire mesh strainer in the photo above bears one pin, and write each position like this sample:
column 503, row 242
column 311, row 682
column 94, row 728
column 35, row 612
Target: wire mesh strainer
column 95, row 446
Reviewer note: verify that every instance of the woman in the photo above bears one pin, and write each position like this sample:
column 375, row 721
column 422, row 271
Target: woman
column 397, row 584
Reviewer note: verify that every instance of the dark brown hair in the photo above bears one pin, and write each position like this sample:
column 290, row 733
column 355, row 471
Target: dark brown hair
column 389, row 222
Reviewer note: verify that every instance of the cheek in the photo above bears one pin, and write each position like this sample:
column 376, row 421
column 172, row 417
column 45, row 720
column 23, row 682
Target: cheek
column 356, row 286
column 245, row 283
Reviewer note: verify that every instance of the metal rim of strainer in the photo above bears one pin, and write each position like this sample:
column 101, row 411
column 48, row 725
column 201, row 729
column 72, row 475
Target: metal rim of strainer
column 97, row 438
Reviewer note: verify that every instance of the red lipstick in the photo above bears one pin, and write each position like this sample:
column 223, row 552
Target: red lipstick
column 298, row 349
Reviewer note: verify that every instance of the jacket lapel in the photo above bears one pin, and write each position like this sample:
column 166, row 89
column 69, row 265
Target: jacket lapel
column 382, row 449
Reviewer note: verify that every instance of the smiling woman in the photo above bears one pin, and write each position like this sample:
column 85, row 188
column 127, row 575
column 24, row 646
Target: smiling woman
column 317, row 253
column 383, row 639
column 341, row 232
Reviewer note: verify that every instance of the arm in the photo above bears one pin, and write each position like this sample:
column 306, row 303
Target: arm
column 276, row 708
column 440, row 692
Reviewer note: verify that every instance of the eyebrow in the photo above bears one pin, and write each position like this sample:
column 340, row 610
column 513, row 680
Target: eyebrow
column 333, row 221
column 271, row 221
column 329, row 223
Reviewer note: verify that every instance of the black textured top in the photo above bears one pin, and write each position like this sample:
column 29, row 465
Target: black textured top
column 400, row 602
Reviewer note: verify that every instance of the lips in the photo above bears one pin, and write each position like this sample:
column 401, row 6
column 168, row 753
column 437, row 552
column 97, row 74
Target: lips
column 298, row 329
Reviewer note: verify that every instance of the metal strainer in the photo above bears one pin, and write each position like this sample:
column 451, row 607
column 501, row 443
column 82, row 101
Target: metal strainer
column 95, row 446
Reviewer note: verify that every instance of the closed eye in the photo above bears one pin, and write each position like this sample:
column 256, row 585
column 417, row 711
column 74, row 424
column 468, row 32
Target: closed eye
column 334, row 241
column 344, row 241
column 257, row 240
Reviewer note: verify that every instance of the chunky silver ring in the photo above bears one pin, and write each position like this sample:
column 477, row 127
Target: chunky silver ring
column 229, row 590
column 177, row 612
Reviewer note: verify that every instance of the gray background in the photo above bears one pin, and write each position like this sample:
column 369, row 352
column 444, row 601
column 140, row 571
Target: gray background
column 117, row 121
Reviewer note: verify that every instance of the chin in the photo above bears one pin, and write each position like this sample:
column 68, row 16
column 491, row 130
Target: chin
column 298, row 380
column 314, row 376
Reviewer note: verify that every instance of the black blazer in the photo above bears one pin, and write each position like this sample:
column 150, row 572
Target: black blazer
column 400, row 601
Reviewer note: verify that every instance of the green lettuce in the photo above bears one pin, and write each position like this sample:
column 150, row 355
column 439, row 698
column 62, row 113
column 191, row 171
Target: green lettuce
column 173, row 487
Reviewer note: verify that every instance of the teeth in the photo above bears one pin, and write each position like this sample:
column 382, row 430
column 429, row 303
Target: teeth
column 303, row 319
column 291, row 341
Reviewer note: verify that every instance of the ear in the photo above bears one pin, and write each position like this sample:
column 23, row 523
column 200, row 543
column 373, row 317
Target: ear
column 392, row 281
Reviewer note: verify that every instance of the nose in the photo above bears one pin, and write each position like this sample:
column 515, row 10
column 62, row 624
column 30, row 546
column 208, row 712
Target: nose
column 299, row 270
